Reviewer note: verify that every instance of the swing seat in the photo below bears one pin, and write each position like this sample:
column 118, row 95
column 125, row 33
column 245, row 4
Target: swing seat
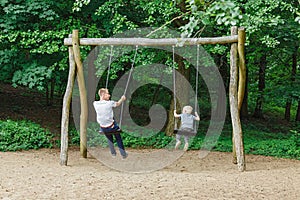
column 186, row 132
column 118, row 131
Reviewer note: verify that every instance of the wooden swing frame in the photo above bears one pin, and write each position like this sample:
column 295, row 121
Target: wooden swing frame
column 236, row 87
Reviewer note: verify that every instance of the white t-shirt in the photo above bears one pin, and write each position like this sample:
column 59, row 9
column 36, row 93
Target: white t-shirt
column 104, row 110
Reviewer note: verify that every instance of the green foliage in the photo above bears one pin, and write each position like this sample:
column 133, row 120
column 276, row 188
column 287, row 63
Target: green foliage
column 156, row 141
column 30, row 43
column 114, row 21
column 78, row 4
column 42, row 42
column 278, row 147
column 16, row 14
column 18, row 135
column 32, row 77
column 258, row 139
column 225, row 12
column 134, row 139
column 294, row 149
column 158, row 13
column 94, row 138
column 33, row 32
column 74, row 136
column 8, row 59
column 261, row 140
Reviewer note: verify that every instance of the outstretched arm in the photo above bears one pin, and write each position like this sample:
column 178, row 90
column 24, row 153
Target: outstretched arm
column 123, row 98
column 175, row 114
column 197, row 116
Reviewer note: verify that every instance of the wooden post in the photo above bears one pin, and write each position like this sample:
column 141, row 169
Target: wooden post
column 83, row 95
column 152, row 42
column 92, row 80
column 66, row 109
column 242, row 66
column 233, row 46
column 233, row 99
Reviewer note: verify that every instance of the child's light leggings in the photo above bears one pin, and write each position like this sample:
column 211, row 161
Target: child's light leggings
column 186, row 138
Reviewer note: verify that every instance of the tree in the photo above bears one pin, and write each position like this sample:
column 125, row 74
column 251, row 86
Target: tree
column 30, row 46
column 288, row 106
column 32, row 34
column 271, row 29
column 261, row 86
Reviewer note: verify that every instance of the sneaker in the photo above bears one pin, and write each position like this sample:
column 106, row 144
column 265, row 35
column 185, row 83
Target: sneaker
column 113, row 155
column 125, row 156
column 186, row 146
column 177, row 144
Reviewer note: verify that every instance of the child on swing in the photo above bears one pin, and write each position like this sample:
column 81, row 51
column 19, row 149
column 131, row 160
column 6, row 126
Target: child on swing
column 105, row 118
column 187, row 123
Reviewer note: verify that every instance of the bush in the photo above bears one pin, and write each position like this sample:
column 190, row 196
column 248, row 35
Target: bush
column 294, row 151
column 18, row 135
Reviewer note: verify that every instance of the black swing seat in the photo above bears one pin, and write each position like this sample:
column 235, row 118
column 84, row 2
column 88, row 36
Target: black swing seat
column 187, row 132
column 118, row 131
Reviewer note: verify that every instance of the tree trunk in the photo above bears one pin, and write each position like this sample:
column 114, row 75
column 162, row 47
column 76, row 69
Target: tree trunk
column 298, row 112
column 287, row 114
column 182, row 86
column 156, row 93
column 219, row 110
column 182, row 91
column 47, row 94
column 224, row 69
column 294, row 73
column 288, row 106
column 258, row 112
column 52, row 91
column 171, row 122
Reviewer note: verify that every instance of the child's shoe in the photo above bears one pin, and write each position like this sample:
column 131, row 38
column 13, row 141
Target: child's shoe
column 177, row 144
column 186, row 146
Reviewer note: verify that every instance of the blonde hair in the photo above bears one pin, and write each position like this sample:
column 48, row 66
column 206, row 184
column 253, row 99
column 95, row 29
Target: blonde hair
column 187, row 109
column 102, row 91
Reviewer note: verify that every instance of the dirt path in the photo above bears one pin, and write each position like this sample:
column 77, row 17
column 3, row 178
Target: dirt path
column 38, row 175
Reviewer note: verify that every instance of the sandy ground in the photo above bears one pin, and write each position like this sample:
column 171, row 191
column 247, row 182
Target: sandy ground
column 38, row 175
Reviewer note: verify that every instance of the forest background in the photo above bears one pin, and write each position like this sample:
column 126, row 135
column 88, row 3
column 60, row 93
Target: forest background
column 33, row 56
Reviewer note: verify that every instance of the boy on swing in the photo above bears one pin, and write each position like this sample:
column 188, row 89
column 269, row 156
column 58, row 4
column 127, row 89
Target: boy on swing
column 187, row 123
column 105, row 118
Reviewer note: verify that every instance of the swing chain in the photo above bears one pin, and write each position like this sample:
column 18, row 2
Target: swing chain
column 109, row 65
column 196, row 89
column 128, row 80
column 197, row 80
